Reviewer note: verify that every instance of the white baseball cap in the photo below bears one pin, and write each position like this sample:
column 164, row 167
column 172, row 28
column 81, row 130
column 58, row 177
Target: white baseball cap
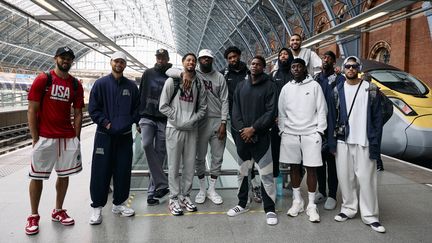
column 118, row 55
column 205, row 53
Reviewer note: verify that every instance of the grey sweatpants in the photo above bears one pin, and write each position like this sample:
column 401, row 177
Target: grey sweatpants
column 181, row 146
column 153, row 142
column 207, row 134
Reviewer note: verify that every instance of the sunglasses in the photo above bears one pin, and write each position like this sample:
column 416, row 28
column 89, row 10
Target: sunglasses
column 354, row 66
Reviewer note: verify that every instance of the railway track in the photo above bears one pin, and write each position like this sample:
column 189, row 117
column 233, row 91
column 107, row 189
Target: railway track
column 18, row 136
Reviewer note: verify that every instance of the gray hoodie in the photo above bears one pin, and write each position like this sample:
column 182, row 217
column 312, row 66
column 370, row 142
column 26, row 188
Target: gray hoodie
column 181, row 112
column 217, row 94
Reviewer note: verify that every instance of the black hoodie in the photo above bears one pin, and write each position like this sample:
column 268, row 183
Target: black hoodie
column 254, row 105
column 152, row 82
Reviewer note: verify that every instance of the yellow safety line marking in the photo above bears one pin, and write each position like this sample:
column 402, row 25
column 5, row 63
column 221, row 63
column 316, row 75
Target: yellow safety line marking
column 191, row 214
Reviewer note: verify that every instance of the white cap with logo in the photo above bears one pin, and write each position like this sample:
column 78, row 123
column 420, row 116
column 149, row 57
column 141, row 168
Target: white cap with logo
column 118, row 55
column 205, row 53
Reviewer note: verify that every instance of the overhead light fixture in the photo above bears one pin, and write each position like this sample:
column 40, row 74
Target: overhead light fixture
column 87, row 32
column 340, row 31
column 377, row 15
column 312, row 43
column 47, row 5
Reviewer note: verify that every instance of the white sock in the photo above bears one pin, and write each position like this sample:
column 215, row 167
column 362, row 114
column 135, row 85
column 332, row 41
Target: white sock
column 311, row 196
column 296, row 194
column 212, row 184
column 202, row 184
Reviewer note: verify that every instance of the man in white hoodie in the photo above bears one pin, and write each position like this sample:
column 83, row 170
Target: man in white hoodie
column 302, row 121
column 212, row 129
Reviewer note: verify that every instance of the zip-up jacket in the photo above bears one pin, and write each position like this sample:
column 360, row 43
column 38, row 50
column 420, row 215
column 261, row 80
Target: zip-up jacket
column 254, row 105
column 152, row 82
column 233, row 77
column 373, row 122
column 217, row 94
column 182, row 113
column 114, row 102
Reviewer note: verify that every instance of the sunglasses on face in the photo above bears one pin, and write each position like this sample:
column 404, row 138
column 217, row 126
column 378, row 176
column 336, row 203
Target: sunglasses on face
column 354, row 66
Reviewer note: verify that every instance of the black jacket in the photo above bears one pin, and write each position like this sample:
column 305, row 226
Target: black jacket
column 233, row 78
column 254, row 105
column 152, row 82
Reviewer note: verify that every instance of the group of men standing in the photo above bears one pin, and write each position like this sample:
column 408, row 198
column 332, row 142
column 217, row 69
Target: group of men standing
column 297, row 115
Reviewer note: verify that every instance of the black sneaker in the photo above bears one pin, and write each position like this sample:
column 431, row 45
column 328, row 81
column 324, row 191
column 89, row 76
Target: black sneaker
column 152, row 201
column 161, row 193
column 380, row 168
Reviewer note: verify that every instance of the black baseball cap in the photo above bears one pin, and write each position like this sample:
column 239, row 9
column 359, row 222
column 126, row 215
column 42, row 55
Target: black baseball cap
column 162, row 52
column 63, row 50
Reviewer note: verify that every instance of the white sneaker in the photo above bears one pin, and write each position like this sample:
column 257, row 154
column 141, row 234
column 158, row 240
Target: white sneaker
column 312, row 212
column 96, row 216
column 123, row 210
column 377, row 227
column 271, row 218
column 319, row 198
column 214, row 197
column 330, row 204
column 200, row 197
column 237, row 210
column 296, row 208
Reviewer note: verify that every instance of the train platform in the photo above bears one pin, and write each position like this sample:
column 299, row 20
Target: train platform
column 405, row 193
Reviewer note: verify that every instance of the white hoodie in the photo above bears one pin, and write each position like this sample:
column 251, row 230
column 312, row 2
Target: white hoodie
column 302, row 108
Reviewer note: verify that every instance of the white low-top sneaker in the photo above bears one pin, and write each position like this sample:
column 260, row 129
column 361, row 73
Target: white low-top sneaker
column 271, row 218
column 200, row 197
column 123, row 210
column 237, row 210
column 214, row 197
column 330, row 204
column 377, row 227
column 96, row 216
column 312, row 212
column 296, row 208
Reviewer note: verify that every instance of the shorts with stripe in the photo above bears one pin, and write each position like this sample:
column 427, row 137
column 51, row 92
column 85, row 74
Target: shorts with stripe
column 63, row 153
column 297, row 148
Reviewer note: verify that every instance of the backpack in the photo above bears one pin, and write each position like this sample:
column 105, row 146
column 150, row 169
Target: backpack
column 177, row 82
column 49, row 83
column 374, row 92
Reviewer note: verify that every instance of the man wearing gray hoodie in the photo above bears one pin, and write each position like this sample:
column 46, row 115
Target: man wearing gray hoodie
column 184, row 105
column 212, row 129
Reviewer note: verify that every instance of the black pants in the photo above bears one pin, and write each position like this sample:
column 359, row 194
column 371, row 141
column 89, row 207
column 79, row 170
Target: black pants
column 275, row 147
column 327, row 173
column 112, row 157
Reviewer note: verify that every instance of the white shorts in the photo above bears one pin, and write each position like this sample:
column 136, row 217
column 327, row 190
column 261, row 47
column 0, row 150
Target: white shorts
column 64, row 153
column 295, row 148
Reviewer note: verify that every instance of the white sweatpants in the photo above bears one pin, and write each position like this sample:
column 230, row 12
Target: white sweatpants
column 357, row 174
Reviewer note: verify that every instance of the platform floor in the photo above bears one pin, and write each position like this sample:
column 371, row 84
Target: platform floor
column 405, row 196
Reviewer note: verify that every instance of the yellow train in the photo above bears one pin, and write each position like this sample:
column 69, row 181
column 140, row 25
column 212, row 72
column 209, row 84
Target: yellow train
column 408, row 133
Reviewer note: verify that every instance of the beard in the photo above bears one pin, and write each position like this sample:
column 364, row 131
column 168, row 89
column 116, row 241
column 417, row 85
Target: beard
column 234, row 66
column 284, row 64
column 206, row 67
column 65, row 68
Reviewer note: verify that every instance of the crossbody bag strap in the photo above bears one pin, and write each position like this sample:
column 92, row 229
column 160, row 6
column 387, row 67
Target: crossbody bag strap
column 355, row 96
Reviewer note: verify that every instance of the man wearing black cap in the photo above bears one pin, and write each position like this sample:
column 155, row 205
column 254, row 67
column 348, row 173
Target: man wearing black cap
column 50, row 98
column 152, row 124
column 302, row 120
column 113, row 106
column 327, row 79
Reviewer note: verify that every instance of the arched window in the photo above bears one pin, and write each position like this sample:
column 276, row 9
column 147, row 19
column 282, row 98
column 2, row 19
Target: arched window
column 381, row 52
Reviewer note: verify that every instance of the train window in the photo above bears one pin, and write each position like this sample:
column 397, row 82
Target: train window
column 400, row 81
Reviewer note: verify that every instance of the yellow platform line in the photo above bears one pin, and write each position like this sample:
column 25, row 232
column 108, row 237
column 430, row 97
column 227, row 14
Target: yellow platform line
column 192, row 214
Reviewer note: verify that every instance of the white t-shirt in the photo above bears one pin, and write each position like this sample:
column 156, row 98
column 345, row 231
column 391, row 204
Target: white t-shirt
column 358, row 118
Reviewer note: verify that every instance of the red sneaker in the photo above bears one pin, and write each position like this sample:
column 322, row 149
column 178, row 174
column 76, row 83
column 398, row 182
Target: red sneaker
column 62, row 217
column 32, row 226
